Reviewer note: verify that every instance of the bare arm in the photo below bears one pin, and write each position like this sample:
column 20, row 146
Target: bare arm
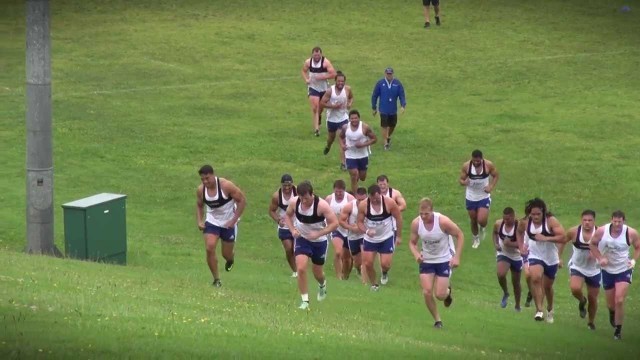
column 288, row 218
column 397, row 214
column 571, row 234
column 331, row 72
column 362, row 208
column 402, row 204
column 413, row 240
column 305, row 71
column 200, row 207
column 496, row 237
column 593, row 246
column 349, row 97
column 452, row 229
column 520, row 236
column 464, row 177
column 370, row 134
column 332, row 220
column 343, row 220
column 236, row 194
column 273, row 208
column 493, row 171
column 556, row 229
column 325, row 100
column 635, row 242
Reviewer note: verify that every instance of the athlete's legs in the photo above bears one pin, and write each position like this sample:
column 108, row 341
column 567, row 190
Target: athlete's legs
column 347, row 264
column 426, row 13
column 610, row 295
column 442, row 287
column 537, row 291
column 437, row 9
column 210, row 242
column 426, row 281
column 517, row 288
column 482, row 215
column 385, row 262
column 385, row 133
column 367, row 262
column 227, row 250
column 547, row 283
column 502, row 269
column 473, row 217
column 575, row 283
column 620, row 289
column 592, row 294
column 314, row 101
column 353, row 174
column 391, row 129
column 288, row 251
column 331, row 137
column 337, row 259
column 362, row 175
column 318, row 273
column 301, row 268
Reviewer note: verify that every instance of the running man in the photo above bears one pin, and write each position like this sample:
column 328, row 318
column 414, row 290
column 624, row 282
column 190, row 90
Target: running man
column 316, row 72
column 337, row 100
column 375, row 221
column 277, row 210
column 583, row 267
column 314, row 220
column 542, row 231
column 508, row 255
column 474, row 175
column 225, row 203
column 436, row 258
column 355, row 138
column 610, row 246
column 337, row 200
column 348, row 220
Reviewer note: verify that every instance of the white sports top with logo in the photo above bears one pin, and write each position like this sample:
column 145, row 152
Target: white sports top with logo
column 336, row 207
column 355, row 137
column 581, row 259
column 615, row 249
column 436, row 246
column 340, row 114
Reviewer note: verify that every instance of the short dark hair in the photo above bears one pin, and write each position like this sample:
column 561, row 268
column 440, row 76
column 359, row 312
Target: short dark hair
column 205, row 170
column 508, row 211
column 618, row 214
column 373, row 189
column 339, row 184
column 382, row 177
column 589, row 212
column 476, row 154
column 305, row 188
column 340, row 73
column 361, row 191
column 316, row 49
column 354, row 111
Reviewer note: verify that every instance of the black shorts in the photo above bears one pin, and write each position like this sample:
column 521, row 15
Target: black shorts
column 388, row 120
column 430, row 2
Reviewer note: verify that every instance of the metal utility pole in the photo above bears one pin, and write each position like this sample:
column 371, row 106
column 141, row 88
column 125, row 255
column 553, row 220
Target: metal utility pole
column 39, row 139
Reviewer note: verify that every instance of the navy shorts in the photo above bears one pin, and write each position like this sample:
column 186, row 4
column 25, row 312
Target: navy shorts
column 338, row 234
column 430, row 2
column 314, row 92
column 335, row 126
column 475, row 205
column 549, row 270
column 609, row 280
column 284, row 234
column 440, row 269
column 316, row 250
column 385, row 247
column 591, row 281
column 514, row 265
column 525, row 259
column 355, row 246
column 226, row 234
column 361, row 164
column 388, row 120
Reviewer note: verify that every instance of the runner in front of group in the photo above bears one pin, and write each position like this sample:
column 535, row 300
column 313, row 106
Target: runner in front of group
column 508, row 256
column 541, row 231
column 375, row 221
column 355, row 139
column 435, row 257
column 474, row 175
column 277, row 210
column 583, row 267
column 610, row 246
column 337, row 200
column 225, row 203
column 310, row 219
column 337, row 100
column 316, row 72
column 348, row 220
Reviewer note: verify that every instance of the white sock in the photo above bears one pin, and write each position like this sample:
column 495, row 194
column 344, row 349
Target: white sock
column 323, row 284
column 305, row 297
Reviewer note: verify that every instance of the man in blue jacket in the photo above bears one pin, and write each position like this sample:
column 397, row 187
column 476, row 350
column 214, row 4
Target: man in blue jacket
column 389, row 90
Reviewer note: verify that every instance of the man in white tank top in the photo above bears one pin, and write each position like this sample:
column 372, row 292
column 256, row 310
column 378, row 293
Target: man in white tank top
column 435, row 258
column 225, row 203
column 316, row 72
column 337, row 100
column 277, row 209
column 310, row 219
column 541, row 231
column 474, row 176
column 583, row 267
column 375, row 220
column 337, row 200
column 396, row 195
column 508, row 255
column 348, row 220
column 610, row 246
column 355, row 139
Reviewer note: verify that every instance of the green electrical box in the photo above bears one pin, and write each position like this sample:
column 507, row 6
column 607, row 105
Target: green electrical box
column 95, row 228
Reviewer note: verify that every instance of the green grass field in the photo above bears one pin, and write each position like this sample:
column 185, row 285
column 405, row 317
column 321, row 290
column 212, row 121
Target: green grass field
column 145, row 92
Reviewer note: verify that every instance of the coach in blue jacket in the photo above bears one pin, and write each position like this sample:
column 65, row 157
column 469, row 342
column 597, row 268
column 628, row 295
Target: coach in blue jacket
column 389, row 90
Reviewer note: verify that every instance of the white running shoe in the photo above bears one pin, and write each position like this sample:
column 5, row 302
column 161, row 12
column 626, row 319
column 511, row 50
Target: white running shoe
column 375, row 287
column 304, row 305
column 476, row 242
column 294, row 274
column 539, row 316
column 550, row 317
column 384, row 279
column 322, row 292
